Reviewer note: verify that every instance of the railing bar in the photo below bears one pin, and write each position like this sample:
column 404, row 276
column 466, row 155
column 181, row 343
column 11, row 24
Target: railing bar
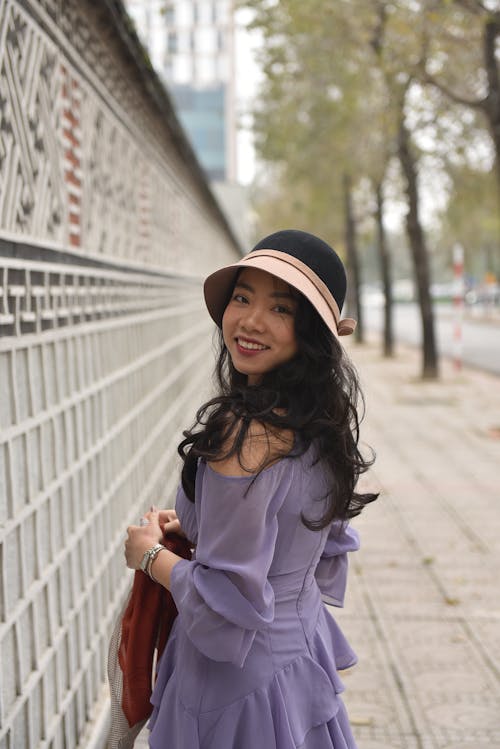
column 130, row 278
column 8, row 343
column 127, row 270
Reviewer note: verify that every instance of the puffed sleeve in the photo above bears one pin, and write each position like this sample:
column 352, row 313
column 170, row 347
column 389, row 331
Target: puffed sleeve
column 331, row 572
column 224, row 597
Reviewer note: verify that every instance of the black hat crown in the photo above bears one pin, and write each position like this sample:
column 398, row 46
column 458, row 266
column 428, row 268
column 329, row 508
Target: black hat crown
column 313, row 252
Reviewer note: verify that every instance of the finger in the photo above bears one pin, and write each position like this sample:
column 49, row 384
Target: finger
column 166, row 515
column 171, row 527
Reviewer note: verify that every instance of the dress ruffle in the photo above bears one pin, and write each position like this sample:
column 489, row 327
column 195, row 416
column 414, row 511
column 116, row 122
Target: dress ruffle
column 300, row 697
column 329, row 639
column 299, row 708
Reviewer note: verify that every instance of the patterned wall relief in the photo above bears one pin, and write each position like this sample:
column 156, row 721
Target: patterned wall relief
column 32, row 191
column 83, row 169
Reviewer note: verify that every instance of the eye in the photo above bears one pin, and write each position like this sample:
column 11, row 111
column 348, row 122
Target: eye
column 281, row 309
column 240, row 298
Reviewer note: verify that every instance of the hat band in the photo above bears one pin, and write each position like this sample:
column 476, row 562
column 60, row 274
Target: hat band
column 345, row 326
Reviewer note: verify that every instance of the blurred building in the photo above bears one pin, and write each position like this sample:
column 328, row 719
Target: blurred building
column 191, row 45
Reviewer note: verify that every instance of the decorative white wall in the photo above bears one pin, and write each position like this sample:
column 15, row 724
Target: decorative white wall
column 106, row 228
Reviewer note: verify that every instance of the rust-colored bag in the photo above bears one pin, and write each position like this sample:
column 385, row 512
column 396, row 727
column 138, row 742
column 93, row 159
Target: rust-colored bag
column 140, row 633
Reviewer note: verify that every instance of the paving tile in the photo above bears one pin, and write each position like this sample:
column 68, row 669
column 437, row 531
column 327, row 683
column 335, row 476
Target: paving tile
column 428, row 571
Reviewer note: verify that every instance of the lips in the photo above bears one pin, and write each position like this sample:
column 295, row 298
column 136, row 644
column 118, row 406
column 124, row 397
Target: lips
column 248, row 345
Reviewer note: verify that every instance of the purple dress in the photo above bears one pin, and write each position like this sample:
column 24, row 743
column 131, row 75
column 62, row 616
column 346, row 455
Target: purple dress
column 253, row 655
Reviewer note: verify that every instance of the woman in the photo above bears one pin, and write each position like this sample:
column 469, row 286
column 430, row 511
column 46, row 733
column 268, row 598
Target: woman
column 268, row 485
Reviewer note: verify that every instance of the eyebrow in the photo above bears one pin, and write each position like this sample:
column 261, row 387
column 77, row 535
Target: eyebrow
column 275, row 294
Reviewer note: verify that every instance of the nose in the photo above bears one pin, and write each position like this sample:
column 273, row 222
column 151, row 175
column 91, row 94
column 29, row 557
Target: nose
column 253, row 319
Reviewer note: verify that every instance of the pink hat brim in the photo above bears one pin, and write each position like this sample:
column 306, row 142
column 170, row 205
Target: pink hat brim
column 219, row 285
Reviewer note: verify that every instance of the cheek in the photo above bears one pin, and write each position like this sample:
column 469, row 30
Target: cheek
column 227, row 325
column 291, row 339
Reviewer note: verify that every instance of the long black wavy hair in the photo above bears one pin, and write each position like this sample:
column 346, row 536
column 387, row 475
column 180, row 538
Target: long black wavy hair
column 315, row 395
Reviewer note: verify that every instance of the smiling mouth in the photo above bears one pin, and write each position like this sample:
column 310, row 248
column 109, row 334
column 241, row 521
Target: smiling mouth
column 250, row 345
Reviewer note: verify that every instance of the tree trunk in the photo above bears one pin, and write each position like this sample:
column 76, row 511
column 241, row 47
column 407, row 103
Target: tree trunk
column 353, row 274
column 419, row 254
column 385, row 271
column 491, row 104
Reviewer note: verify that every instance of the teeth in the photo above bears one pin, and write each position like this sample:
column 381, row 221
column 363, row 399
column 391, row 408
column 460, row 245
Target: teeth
column 252, row 346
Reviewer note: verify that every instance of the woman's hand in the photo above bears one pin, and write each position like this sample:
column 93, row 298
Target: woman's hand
column 170, row 522
column 141, row 538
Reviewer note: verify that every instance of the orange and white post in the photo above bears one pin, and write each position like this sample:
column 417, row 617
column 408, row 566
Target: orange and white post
column 458, row 305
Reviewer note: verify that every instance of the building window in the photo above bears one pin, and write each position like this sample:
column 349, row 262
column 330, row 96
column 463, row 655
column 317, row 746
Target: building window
column 172, row 42
column 167, row 69
column 168, row 12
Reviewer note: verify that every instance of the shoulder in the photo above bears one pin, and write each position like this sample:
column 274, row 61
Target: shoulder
column 261, row 447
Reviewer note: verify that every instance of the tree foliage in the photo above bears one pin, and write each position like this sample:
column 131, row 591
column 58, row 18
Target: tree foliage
column 316, row 111
column 353, row 86
column 331, row 91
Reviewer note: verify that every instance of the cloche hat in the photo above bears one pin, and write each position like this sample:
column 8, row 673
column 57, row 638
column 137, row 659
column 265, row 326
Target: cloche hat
column 303, row 261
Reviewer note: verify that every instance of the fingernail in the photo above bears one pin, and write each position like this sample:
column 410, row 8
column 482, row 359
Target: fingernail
column 154, row 508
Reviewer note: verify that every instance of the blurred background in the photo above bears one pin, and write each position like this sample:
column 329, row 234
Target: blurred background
column 374, row 123
column 144, row 143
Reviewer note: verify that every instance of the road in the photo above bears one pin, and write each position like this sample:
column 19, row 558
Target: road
column 481, row 339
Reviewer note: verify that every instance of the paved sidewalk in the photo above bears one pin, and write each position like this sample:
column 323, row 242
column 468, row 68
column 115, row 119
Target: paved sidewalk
column 423, row 605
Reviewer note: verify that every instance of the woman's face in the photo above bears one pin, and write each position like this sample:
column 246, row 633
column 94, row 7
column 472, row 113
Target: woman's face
column 258, row 325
